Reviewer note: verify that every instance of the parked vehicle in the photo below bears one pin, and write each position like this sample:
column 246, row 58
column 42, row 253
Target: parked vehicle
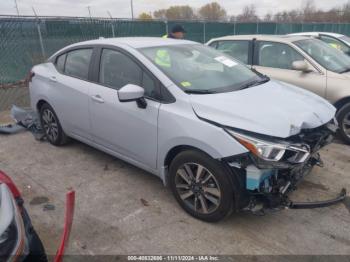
column 299, row 60
column 339, row 41
column 18, row 238
column 223, row 137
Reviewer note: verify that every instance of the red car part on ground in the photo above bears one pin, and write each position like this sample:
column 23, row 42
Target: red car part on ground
column 36, row 251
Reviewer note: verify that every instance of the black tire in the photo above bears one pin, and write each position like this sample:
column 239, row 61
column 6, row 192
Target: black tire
column 343, row 115
column 59, row 139
column 221, row 178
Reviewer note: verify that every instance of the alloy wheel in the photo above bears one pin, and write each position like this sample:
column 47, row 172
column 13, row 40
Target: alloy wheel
column 346, row 124
column 198, row 188
column 50, row 125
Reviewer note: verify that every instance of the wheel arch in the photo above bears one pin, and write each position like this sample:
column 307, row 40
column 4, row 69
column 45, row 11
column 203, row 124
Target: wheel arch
column 173, row 152
column 40, row 103
column 216, row 147
column 341, row 102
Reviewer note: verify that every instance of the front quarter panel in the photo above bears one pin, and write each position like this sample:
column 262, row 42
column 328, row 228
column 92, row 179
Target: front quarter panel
column 338, row 87
column 179, row 126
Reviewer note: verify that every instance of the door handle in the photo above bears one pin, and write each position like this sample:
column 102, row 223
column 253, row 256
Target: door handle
column 98, row 99
column 53, row 79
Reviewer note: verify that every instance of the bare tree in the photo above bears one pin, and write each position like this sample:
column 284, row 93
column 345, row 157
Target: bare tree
column 212, row 12
column 145, row 16
column 177, row 12
column 248, row 14
column 309, row 11
column 268, row 17
column 184, row 12
column 160, row 14
column 344, row 13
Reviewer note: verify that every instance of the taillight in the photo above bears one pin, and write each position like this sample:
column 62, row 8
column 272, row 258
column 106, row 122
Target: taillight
column 8, row 181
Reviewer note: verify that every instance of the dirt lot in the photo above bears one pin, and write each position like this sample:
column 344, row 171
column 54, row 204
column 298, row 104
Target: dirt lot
column 123, row 210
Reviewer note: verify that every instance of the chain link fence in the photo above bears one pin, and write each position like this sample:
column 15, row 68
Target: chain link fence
column 26, row 41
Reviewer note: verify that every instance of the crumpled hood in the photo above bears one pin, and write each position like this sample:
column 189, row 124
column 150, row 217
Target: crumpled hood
column 275, row 108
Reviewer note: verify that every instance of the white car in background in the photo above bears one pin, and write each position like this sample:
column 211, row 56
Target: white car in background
column 339, row 41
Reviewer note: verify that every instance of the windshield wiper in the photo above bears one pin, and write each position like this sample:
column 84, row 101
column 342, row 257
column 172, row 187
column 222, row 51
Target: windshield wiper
column 261, row 81
column 344, row 71
column 198, row 91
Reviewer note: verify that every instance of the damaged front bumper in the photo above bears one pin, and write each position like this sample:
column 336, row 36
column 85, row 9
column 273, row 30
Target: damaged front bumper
column 318, row 204
column 266, row 184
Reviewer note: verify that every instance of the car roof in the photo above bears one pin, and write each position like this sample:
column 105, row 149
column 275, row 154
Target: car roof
column 135, row 42
column 279, row 38
column 318, row 33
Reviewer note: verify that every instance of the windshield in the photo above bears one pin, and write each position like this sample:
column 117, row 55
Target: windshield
column 196, row 68
column 330, row 58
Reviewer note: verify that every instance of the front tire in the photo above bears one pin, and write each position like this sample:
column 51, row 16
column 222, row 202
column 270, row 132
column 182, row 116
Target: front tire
column 51, row 126
column 201, row 186
column 343, row 118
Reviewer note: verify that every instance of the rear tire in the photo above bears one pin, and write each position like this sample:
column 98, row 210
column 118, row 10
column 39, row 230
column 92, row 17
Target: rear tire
column 51, row 126
column 343, row 118
column 201, row 186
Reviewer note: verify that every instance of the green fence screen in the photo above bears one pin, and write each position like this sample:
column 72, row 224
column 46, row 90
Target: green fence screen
column 26, row 41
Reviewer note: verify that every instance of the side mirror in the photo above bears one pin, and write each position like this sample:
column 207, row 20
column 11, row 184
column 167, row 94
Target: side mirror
column 132, row 92
column 300, row 66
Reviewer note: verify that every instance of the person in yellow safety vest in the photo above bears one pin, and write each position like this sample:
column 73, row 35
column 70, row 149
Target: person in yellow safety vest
column 163, row 58
column 334, row 45
column 177, row 32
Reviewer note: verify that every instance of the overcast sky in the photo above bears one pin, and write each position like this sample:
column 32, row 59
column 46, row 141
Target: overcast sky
column 121, row 8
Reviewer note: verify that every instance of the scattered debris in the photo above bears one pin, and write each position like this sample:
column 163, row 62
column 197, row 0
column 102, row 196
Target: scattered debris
column 48, row 207
column 29, row 119
column 39, row 200
column 25, row 119
column 144, row 202
column 10, row 129
column 80, row 244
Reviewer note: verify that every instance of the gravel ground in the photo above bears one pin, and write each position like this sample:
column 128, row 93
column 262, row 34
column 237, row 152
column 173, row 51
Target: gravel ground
column 121, row 209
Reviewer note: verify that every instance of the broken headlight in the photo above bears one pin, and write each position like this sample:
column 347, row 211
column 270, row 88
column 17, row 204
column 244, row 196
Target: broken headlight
column 273, row 151
column 12, row 233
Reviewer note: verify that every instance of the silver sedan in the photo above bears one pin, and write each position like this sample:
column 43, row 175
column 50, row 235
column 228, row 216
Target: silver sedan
column 223, row 137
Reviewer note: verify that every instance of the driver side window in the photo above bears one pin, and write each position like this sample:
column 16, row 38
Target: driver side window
column 118, row 70
column 277, row 55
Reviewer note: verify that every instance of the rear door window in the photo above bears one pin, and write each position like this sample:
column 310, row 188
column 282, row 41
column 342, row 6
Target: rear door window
column 78, row 63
